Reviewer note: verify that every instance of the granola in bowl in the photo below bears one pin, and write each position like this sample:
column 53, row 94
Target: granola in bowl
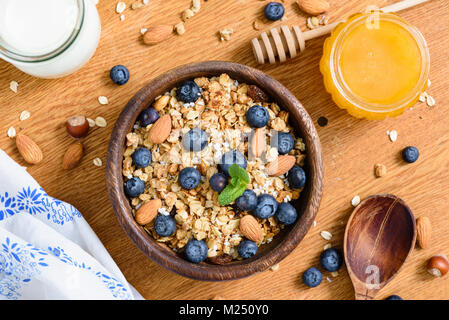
column 184, row 139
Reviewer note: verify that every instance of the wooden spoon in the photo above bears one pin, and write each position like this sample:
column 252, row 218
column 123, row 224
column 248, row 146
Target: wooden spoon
column 379, row 237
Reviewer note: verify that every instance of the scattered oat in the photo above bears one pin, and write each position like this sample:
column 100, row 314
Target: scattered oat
column 323, row 19
column 314, row 21
column 275, row 267
column 225, row 34
column 196, row 5
column 121, row 6
column 393, row 134
column 97, row 162
column 380, row 170
column 91, row 122
column 187, row 14
column 100, row 122
column 334, row 274
column 24, row 115
column 314, row 223
column 136, row 5
column 423, row 96
column 326, row 235
column 143, row 30
column 13, row 85
column 327, row 246
column 11, row 132
column 180, row 29
column 430, row 101
column 355, row 201
column 257, row 24
column 103, row 100
column 122, row 17
column 145, row 2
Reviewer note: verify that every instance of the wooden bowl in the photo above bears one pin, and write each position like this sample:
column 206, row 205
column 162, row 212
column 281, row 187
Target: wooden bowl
column 268, row 254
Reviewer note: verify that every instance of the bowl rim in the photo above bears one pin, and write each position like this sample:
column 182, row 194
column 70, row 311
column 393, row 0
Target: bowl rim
column 120, row 203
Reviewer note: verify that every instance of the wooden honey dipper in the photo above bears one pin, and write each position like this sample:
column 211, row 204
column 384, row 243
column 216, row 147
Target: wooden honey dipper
column 286, row 42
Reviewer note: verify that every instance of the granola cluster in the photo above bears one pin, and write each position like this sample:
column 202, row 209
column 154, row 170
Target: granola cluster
column 220, row 112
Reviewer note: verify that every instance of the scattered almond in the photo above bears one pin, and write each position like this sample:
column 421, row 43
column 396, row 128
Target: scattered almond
column 258, row 142
column 157, row 34
column 423, row 232
column 161, row 103
column 72, row 156
column 313, row 6
column 161, row 129
column 28, row 149
column 148, row 211
column 281, row 165
column 251, row 229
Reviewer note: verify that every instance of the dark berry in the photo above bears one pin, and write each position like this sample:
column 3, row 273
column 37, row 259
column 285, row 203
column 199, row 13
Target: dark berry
column 164, row 225
column 231, row 157
column 286, row 214
column 257, row 116
column 247, row 201
column 312, row 277
column 189, row 178
column 195, row 140
column 285, row 142
column 134, row 187
column 218, row 182
column 331, row 259
column 394, row 297
column 247, row 249
column 119, row 74
column 322, row 121
column 141, row 158
column 188, row 92
column 148, row 116
column 410, row 154
column 196, row 250
column 296, row 177
column 274, row 11
column 266, row 206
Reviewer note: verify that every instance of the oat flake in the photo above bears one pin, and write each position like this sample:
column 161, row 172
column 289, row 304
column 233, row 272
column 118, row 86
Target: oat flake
column 393, row 135
column 91, row 122
column 97, row 162
column 326, row 235
column 100, row 122
column 11, row 132
column 430, row 101
column 355, row 201
column 24, row 115
column 103, row 100
column 327, row 246
column 13, row 86
column 121, row 6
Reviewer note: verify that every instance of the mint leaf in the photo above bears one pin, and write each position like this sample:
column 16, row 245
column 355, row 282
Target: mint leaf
column 237, row 171
column 230, row 193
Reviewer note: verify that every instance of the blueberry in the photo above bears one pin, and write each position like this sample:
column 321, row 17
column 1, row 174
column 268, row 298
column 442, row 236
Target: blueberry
column 195, row 140
column 141, row 157
column 231, row 157
column 164, row 225
column 247, row 249
column 189, row 178
column 331, row 259
column 296, row 177
column 119, row 74
column 134, row 187
column 218, row 182
column 274, row 11
column 148, row 116
column 188, row 92
column 285, row 142
column 266, row 206
column 257, row 116
column 394, row 297
column 196, row 250
column 312, row 277
column 247, row 201
column 286, row 214
column 410, row 154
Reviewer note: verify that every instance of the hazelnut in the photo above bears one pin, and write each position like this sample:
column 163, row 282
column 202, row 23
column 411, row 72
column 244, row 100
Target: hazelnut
column 77, row 126
column 438, row 265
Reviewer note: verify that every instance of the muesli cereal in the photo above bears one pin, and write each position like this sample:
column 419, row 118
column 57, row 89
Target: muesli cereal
column 200, row 126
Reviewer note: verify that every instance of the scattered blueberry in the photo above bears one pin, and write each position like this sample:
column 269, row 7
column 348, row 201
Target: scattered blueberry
column 247, row 201
column 148, row 116
column 331, row 259
column 410, row 154
column 322, row 121
column 119, row 74
column 285, row 142
column 312, row 277
column 266, row 206
column 141, row 157
column 218, row 182
column 195, row 140
column 196, row 250
column 247, row 249
column 231, row 157
column 164, row 225
column 296, row 177
column 274, row 11
column 134, row 187
column 189, row 178
column 394, row 297
column 188, row 92
column 286, row 214
column 257, row 116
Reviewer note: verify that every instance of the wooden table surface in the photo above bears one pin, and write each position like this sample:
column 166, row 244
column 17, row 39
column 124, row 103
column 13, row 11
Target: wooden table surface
column 351, row 147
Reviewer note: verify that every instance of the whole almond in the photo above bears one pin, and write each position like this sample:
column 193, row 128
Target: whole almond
column 28, row 149
column 161, row 103
column 251, row 228
column 313, row 7
column 161, row 129
column 423, row 232
column 72, row 156
column 156, row 34
column 258, row 142
column 281, row 165
column 148, row 211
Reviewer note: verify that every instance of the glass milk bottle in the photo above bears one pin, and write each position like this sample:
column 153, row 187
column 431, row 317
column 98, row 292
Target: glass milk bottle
column 48, row 38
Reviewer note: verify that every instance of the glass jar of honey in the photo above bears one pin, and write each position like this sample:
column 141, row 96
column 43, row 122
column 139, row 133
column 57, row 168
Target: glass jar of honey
column 375, row 65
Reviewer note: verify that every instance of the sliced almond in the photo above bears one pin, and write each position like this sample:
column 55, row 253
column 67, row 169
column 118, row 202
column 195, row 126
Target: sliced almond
column 161, row 129
column 258, row 142
column 73, row 156
column 156, row 34
column 148, row 211
column 281, row 165
column 251, row 228
column 423, row 232
column 313, row 7
column 161, row 103
column 28, row 149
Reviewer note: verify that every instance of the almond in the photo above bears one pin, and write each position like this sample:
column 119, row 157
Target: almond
column 28, row 149
column 281, row 165
column 258, row 142
column 156, row 34
column 161, row 103
column 251, row 228
column 313, row 7
column 161, row 129
column 148, row 211
column 423, row 232
column 72, row 156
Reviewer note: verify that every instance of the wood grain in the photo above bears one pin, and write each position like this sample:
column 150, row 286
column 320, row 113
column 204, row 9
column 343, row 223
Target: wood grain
column 351, row 147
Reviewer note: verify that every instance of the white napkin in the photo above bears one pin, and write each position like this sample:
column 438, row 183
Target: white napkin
column 47, row 249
